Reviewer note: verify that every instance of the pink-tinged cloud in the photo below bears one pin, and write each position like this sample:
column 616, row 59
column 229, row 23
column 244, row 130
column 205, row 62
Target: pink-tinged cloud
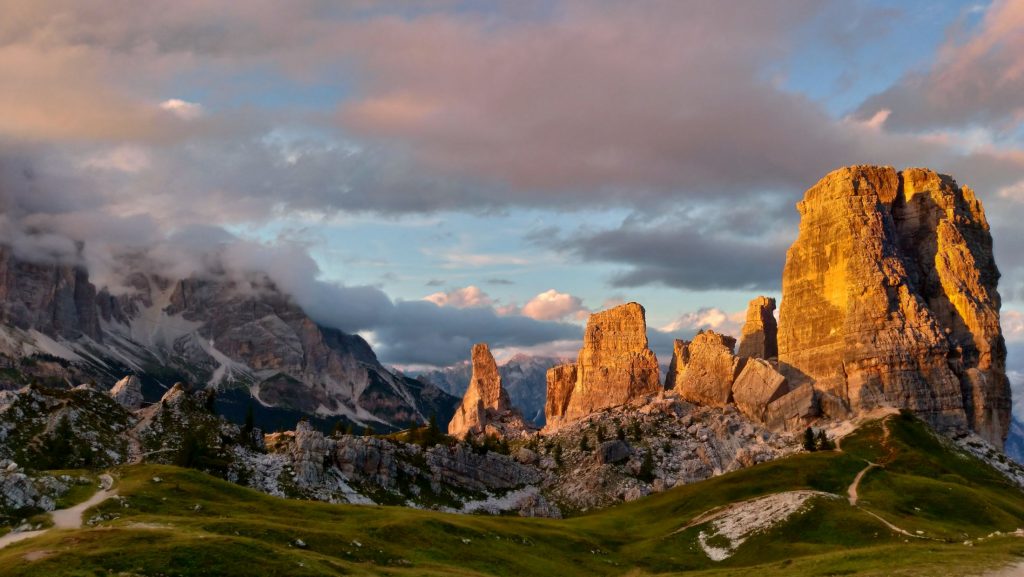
column 466, row 297
column 552, row 305
column 977, row 77
column 708, row 318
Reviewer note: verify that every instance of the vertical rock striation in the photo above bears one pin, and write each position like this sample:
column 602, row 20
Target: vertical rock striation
column 760, row 331
column 485, row 406
column 614, row 366
column 889, row 298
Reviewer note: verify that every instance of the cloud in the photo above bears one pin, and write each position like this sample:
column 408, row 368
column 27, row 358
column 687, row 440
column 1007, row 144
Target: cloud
column 182, row 109
column 552, row 305
column 470, row 296
column 976, row 78
column 708, row 318
column 733, row 249
column 1012, row 322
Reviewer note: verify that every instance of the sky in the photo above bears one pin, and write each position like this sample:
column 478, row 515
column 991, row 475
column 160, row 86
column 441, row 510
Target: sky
column 438, row 173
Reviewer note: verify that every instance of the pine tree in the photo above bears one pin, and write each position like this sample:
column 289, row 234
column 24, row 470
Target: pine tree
column 809, row 444
column 620, row 433
column 647, row 467
column 434, row 434
column 635, row 431
column 600, row 434
column 557, row 453
column 823, row 443
column 584, row 447
column 248, row 427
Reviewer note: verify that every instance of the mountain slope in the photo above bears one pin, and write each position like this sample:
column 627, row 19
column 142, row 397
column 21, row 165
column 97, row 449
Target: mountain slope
column 191, row 524
column 233, row 332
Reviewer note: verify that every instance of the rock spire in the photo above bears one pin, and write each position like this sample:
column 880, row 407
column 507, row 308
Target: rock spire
column 760, row 332
column 614, row 367
column 485, row 407
column 889, row 299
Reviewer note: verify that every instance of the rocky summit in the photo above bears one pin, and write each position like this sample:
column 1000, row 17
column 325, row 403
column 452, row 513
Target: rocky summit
column 486, row 407
column 614, row 366
column 889, row 299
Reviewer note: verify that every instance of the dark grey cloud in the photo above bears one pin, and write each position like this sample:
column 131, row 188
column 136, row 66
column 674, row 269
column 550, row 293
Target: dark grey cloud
column 720, row 247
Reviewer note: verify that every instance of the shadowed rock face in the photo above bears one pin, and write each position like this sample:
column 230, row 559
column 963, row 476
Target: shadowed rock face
column 485, row 406
column 614, row 366
column 760, row 332
column 889, row 298
column 56, row 299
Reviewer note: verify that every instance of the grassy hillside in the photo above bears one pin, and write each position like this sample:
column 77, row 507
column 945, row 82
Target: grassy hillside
column 192, row 524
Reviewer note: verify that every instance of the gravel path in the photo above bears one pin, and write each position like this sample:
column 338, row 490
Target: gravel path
column 70, row 518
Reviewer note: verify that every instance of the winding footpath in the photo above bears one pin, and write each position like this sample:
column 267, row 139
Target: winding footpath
column 70, row 518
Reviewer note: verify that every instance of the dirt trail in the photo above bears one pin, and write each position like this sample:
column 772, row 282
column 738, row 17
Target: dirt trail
column 889, row 456
column 70, row 518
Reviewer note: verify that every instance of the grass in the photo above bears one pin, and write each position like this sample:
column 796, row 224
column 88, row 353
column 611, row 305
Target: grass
column 76, row 493
column 194, row 524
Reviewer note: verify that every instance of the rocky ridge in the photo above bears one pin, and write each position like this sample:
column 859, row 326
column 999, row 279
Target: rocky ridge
column 225, row 330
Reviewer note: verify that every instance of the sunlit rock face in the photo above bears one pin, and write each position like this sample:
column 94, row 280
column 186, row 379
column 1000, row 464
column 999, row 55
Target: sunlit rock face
column 704, row 369
column 485, row 406
column 614, row 366
column 889, row 298
column 760, row 331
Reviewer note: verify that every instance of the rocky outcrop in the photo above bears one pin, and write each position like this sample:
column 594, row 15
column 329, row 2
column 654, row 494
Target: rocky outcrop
column 561, row 381
column 760, row 331
column 889, row 299
column 705, row 369
column 128, row 393
column 677, row 366
column 614, row 366
column 524, row 378
column 485, row 406
column 53, row 298
column 757, row 385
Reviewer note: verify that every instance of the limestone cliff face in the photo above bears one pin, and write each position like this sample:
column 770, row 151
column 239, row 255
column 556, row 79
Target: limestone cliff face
column 485, row 406
column 55, row 299
column 614, row 366
column 889, row 298
column 760, row 331
column 561, row 382
column 706, row 368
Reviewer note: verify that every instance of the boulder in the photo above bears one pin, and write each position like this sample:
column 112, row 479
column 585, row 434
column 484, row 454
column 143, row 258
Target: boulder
column 757, row 385
column 889, row 299
column 610, row 452
column 759, row 338
column 710, row 369
column 794, row 410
